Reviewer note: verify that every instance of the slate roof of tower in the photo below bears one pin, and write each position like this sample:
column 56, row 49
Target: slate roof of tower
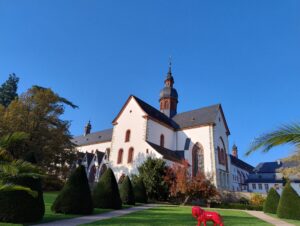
column 92, row 138
column 241, row 164
column 167, row 153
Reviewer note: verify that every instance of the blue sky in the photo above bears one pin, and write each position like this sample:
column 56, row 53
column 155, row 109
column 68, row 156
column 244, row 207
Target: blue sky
column 243, row 54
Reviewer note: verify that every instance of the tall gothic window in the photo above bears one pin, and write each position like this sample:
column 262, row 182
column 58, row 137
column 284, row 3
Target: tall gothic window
column 130, row 155
column 108, row 153
column 120, row 156
column 197, row 159
column 162, row 140
column 127, row 136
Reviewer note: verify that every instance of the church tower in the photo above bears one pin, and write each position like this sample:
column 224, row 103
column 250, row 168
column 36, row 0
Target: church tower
column 168, row 96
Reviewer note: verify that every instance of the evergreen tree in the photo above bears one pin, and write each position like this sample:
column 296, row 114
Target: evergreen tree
column 271, row 203
column 139, row 189
column 126, row 192
column 106, row 193
column 8, row 90
column 289, row 203
column 75, row 197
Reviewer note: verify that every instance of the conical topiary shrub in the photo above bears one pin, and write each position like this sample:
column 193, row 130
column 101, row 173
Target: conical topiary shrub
column 271, row 203
column 75, row 197
column 139, row 189
column 106, row 193
column 126, row 192
column 289, row 204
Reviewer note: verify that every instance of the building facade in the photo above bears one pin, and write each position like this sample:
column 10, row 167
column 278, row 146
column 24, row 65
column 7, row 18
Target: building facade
column 140, row 131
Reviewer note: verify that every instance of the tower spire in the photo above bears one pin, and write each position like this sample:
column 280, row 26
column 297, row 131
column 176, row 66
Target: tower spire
column 168, row 95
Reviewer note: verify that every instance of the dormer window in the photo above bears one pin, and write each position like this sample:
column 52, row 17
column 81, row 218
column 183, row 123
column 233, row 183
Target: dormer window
column 127, row 136
column 162, row 140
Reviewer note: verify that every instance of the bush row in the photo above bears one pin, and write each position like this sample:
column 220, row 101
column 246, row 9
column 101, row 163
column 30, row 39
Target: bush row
column 76, row 197
column 240, row 206
column 286, row 206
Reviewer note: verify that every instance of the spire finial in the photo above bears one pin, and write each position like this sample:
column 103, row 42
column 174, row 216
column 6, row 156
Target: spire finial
column 170, row 64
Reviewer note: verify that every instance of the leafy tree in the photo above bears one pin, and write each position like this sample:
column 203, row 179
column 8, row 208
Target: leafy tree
column 106, row 193
column 126, row 192
column 153, row 171
column 257, row 199
column 272, row 200
column 289, row 203
column 286, row 134
column 37, row 113
column 139, row 189
column 75, row 197
column 184, row 187
column 8, row 90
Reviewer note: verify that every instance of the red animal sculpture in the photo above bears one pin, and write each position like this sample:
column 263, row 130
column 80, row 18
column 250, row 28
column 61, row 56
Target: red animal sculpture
column 203, row 216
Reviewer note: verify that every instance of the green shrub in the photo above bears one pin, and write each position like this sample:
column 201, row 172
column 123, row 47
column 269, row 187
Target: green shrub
column 271, row 203
column 75, row 197
column 140, row 191
column 52, row 183
column 126, row 192
column 106, row 193
column 238, row 206
column 19, row 206
column 289, row 204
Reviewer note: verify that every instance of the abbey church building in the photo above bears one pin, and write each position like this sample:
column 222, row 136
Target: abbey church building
column 140, row 130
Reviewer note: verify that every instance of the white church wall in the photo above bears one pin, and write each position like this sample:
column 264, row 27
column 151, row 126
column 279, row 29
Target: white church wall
column 222, row 178
column 155, row 130
column 93, row 147
column 200, row 135
column 130, row 119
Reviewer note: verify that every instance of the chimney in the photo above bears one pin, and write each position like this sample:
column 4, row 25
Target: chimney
column 235, row 151
column 87, row 128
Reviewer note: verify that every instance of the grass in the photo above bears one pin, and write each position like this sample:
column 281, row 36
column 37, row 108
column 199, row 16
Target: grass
column 295, row 222
column 174, row 215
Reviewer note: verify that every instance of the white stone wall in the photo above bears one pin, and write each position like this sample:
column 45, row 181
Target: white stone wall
column 200, row 135
column 132, row 119
column 93, row 147
column 222, row 179
column 154, row 131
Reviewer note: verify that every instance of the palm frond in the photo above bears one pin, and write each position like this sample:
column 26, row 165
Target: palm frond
column 12, row 187
column 286, row 134
column 5, row 156
column 11, row 139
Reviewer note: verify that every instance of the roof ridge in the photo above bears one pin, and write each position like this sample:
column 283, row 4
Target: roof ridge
column 210, row 106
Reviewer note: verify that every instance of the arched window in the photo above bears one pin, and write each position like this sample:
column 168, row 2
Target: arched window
column 130, row 155
column 102, row 170
column 219, row 155
column 127, row 136
column 120, row 156
column 92, row 174
column 197, row 159
column 162, row 140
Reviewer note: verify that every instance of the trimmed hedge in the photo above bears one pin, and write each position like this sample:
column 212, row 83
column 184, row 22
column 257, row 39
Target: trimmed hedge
column 238, row 206
column 271, row 203
column 75, row 197
column 106, row 193
column 19, row 206
column 289, row 204
column 126, row 192
column 140, row 193
column 52, row 183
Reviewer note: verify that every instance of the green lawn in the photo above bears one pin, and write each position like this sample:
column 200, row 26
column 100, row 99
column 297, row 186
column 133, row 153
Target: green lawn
column 173, row 215
column 295, row 222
